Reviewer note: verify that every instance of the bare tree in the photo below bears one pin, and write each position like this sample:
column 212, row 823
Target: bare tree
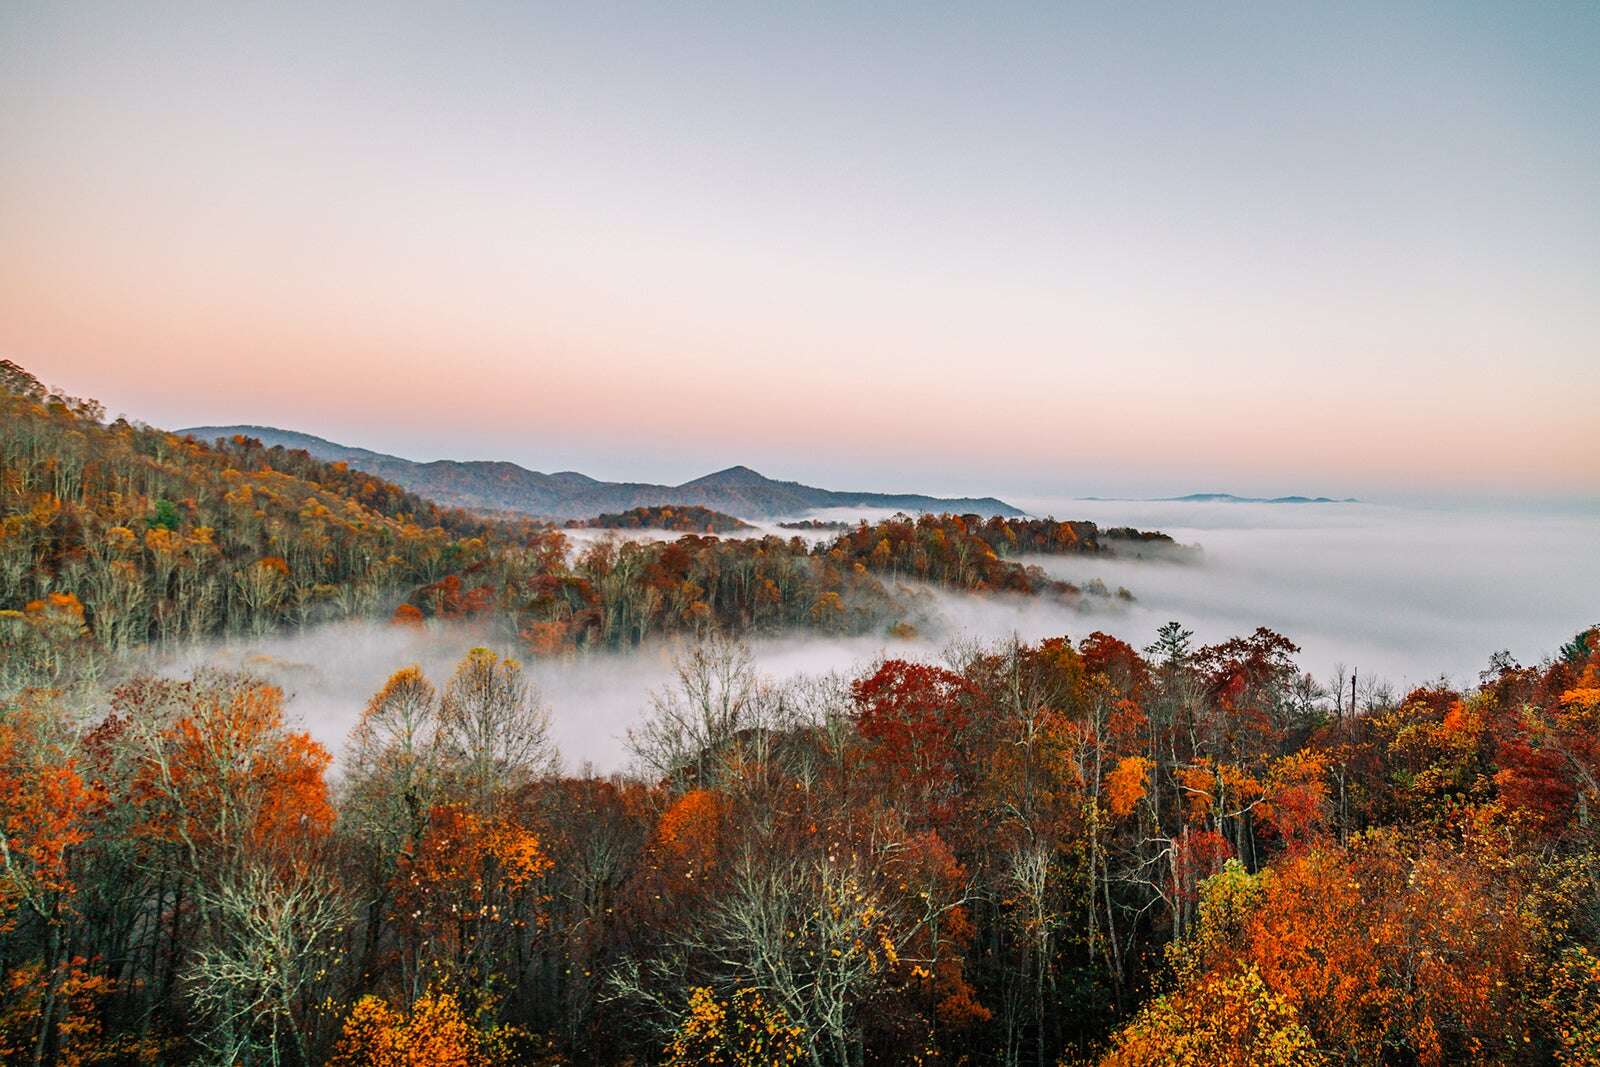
column 821, row 935
column 494, row 728
column 1028, row 881
column 395, row 763
column 257, row 982
column 691, row 724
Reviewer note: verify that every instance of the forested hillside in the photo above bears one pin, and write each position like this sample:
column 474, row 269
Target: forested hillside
column 687, row 518
column 1066, row 852
column 115, row 535
column 617, row 593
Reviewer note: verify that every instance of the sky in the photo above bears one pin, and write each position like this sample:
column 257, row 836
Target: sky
column 1045, row 249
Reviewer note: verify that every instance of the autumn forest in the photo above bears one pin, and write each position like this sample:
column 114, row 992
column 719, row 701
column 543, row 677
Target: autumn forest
column 1059, row 851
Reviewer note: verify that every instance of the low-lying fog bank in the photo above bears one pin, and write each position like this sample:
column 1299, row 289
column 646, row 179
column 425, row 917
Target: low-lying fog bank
column 582, row 536
column 1403, row 594
column 328, row 672
column 1406, row 593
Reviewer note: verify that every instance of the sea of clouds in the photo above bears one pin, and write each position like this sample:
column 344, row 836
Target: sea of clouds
column 1403, row 594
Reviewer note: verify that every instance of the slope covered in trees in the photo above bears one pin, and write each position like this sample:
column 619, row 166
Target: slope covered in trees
column 689, row 518
column 613, row 594
column 1065, row 852
column 113, row 535
column 967, row 551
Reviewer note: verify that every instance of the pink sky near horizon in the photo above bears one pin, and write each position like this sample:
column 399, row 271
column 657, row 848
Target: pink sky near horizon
column 1054, row 254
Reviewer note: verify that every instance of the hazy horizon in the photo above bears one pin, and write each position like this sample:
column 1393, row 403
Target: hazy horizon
column 1136, row 251
column 1031, row 496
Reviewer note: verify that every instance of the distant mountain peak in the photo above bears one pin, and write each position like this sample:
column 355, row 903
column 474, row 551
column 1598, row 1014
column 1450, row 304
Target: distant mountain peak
column 731, row 476
column 1228, row 498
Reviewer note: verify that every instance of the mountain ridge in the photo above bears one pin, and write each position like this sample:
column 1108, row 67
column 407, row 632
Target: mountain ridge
column 501, row 485
column 1226, row 498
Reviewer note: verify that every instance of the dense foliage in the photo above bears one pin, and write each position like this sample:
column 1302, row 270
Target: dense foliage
column 114, row 535
column 1032, row 854
column 617, row 593
column 684, row 518
column 815, row 525
column 966, row 551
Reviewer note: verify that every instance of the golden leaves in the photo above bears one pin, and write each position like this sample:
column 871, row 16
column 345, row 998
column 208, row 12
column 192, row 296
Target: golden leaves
column 1127, row 784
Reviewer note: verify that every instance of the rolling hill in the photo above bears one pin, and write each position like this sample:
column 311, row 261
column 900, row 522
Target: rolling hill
column 489, row 485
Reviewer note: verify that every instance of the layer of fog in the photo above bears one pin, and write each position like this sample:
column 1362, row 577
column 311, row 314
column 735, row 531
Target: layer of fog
column 328, row 672
column 1406, row 595
column 582, row 536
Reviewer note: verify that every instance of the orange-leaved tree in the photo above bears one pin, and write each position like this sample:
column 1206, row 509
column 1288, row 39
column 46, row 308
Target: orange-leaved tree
column 48, row 999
